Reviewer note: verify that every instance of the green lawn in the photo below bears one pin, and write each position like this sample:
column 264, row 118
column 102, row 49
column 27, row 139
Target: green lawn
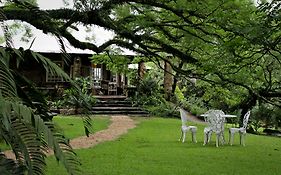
column 72, row 126
column 153, row 148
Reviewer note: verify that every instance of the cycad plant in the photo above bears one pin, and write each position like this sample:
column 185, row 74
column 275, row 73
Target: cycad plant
column 25, row 123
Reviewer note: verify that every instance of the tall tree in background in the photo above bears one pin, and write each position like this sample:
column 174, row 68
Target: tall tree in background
column 168, row 81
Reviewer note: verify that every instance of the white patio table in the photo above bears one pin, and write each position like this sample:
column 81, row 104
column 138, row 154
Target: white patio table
column 225, row 115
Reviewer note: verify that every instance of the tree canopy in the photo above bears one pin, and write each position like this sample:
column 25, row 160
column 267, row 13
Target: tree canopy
column 232, row 47
column 226, row 43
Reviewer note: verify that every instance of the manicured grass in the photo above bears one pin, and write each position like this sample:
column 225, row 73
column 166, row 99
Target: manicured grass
column 72, row 126
column 153, row 148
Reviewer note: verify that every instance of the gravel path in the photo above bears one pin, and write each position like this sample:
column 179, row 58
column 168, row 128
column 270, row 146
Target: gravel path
column 120, row 124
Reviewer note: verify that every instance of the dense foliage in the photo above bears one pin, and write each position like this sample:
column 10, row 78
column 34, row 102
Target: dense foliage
column 78, row 97
column 231, row 47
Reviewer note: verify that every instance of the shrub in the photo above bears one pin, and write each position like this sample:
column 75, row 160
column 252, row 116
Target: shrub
column 76, row 97
column 192, row 103
column 150, row 97
column 265, row 115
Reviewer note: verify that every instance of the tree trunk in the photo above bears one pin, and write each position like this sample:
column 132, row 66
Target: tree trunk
column 176, row 79
column 246, row 106
column 168, row 81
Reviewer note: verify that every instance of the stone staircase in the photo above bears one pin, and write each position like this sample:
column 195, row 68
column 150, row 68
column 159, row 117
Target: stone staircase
column 116, row 105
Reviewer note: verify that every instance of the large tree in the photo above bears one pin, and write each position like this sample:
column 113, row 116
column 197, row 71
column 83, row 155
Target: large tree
column 216, row 37
column 248, row 59
column 230, row 45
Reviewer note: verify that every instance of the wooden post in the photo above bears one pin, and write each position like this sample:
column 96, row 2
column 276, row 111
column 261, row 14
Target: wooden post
column 77, row 67
column 141, row 70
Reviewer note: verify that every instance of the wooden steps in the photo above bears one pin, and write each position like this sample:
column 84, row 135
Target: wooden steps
column 116, row 105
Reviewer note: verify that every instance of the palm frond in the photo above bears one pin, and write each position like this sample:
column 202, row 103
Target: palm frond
column 31, row 96
column 66, row 56
column 28, row 134
column 50, row 66
column 7, row 83
column 55, row 140
column 19, row 133
column 7, row 34
column 10, row 167
column 27, row 141
column 29, row 137
column 30, row 146
column 88, row 127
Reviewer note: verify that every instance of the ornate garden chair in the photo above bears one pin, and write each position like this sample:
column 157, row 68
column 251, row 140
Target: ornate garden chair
column 242, row 130
column 216, row 121
column 185, row 128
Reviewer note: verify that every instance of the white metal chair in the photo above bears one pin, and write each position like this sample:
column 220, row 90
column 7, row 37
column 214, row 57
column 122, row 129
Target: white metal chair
column 215, row 120
column 242, row 130
column 185, row 128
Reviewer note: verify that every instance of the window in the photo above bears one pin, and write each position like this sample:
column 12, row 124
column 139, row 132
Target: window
column 54, row 78
column 96, row 73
